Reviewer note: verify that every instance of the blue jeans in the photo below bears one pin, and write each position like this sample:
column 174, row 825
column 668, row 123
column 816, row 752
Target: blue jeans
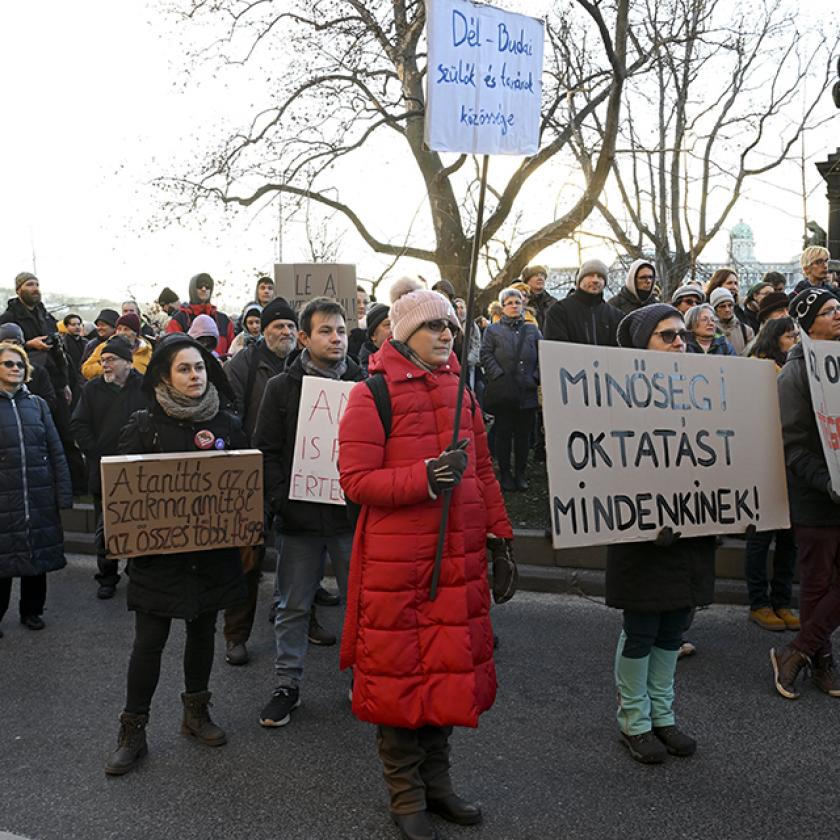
column 300, row 567
column 755, row 569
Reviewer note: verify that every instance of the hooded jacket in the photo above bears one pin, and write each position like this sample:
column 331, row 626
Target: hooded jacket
column 628, row 299
column 807, row 471
column 583, row 318
column 417, row 662
column 182, row 320
column 34, row 484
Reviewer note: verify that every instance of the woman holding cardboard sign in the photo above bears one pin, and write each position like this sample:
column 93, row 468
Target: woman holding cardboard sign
column 657, row 585
column 184, row 381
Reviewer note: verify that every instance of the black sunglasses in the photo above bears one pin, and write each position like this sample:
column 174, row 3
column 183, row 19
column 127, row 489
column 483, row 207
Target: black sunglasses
column 670, row 336
column 8, row 363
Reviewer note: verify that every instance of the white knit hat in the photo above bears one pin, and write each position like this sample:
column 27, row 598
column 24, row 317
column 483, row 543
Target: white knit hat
column 412, row 304
column 721, row 295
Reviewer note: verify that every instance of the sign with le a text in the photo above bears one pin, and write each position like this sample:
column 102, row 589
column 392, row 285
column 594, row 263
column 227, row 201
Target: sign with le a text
column 177, row 502
column 299, row 283
column 315, row 466
column 484, row 79
column 639, row 440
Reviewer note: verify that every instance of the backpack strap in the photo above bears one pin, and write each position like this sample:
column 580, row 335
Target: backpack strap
column 382, row 400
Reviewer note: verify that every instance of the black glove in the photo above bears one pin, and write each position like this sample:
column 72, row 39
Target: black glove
column 447, row 470
column 667, row 537
column 832, row 495
column 505, row 573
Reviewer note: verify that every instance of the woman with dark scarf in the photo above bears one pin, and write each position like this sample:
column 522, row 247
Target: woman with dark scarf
column 184, row 382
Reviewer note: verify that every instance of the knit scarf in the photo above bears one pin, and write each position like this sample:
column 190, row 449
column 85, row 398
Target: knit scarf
column 333, row 371
column 409, row 354
column 193, row 410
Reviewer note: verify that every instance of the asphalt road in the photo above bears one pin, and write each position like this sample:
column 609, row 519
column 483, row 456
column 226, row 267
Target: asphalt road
column 545, row 763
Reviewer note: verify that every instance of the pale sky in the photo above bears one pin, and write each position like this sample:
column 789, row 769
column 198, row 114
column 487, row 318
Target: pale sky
column 94, row 106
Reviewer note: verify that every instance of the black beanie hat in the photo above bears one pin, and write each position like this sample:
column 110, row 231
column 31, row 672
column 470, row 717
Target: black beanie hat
column 636, row 328
column 119, row 346
column 167, row 296
column 805, row 306
column 277, row 309
column 375, row 316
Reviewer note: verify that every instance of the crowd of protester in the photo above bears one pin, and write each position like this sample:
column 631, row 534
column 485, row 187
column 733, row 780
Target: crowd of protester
column 128, row 386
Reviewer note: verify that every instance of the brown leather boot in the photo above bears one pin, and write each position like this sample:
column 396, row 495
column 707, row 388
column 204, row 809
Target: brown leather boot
column 197, row 721
column 824, row 676
column 131, row 744
column 787, row 663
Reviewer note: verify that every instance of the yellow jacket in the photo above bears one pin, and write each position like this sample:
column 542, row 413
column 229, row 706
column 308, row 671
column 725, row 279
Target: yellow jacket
column 140, row 359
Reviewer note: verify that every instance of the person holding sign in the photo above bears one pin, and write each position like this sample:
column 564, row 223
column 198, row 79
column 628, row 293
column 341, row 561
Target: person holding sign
column 308, row 528
column 420, row 667
column 814, row 508
column 657, row 585
column 184, row 383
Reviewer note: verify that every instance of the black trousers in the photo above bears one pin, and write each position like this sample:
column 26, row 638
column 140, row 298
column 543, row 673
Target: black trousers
column 512, row 429
column 150, row 635
column 33, row 595
column 239, row 620
column 415, row 764
column 108, row 574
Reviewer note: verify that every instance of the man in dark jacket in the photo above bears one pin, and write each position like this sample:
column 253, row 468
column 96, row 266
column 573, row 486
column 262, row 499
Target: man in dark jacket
column 249, row 372
column 538, row 299
column 308, row 529
column 814, row 508
column 638, row 288
column 584, row 317
column 106, row 403
column 73, row 341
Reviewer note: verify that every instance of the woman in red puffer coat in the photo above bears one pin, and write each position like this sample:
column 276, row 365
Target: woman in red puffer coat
column 420, row 666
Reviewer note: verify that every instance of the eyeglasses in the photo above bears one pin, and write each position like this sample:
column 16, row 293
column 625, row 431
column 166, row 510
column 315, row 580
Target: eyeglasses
column 670, row 336
column 820, row 262
column 440, row 325
column 8, row 363
column 706, row 320
column 829, row 313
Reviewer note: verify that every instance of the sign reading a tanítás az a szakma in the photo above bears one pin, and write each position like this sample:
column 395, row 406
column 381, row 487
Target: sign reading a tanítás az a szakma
column 639, row 440
column 484, row 79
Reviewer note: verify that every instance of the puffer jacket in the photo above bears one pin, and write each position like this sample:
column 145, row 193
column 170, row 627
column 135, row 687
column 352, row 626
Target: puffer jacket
column 807, row 471
column 498, row 357
column 628, row 300
column 34, row 484
column 182, row 585
column 644, row 577
column 417, row 662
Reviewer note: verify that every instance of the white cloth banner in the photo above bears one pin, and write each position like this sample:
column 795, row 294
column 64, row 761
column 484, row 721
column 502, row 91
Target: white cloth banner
column 639, row 440
column 484, row 79
column 315, row 466
column 823, row 364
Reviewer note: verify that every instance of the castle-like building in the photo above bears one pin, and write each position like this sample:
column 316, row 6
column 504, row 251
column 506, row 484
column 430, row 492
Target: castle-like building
column 742, row 258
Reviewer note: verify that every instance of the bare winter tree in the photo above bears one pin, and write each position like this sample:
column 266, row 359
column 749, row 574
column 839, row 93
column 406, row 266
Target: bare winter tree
column 359, row 76
column 723, row 103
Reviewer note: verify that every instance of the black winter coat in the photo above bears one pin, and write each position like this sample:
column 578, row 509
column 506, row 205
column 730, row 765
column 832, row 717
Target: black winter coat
column 34, row 323
column 182, row 585
column 498, row 357
column 74, row 347
column 275, row 437
column 644, row 577
column 583, row 319
column 101, row 413
column 807, row 472
column 541, row 303
column 626, row 302
column 34, row 484
column 253, row 367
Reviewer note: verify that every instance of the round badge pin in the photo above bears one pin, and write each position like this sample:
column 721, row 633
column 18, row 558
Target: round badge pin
column 219, row 444
column 204, row 439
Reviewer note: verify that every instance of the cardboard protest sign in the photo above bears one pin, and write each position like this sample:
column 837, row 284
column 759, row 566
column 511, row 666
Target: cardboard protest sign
column 178, row 502
column 299, row 283
column 315, row 466
column 823, row 363
column 484, row 79
column 639, row 440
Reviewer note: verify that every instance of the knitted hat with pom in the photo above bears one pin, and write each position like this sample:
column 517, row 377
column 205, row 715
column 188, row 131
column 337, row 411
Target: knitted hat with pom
column 412, row 305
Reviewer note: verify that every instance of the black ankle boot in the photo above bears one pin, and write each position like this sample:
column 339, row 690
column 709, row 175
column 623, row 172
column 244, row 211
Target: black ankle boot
column 416, row 826
column 131, row 744
column 197, row 721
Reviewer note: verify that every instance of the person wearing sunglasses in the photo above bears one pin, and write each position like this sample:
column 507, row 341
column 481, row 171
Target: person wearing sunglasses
column 657, row 585
column 34, row 485
column 814, row 509
column 704, row 337
column 201, row 291
column 420, row 667
column 638, row 289
column 686, row 296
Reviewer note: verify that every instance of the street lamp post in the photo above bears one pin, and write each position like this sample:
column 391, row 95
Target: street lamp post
column 830, row 171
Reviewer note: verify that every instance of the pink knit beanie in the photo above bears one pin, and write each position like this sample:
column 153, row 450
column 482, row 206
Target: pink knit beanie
column 412, row 305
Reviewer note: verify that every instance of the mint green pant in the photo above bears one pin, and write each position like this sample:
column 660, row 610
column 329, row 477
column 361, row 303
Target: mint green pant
column 645, row 689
